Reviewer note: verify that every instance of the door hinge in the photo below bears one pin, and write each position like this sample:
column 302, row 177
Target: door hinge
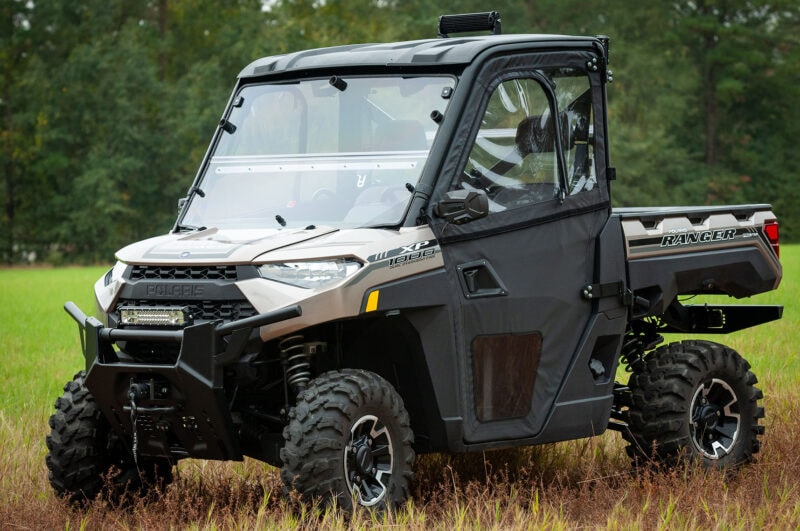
column 608, row 289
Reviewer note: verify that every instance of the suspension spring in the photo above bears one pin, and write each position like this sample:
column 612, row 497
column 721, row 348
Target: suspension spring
column 296, row 356
column 641, row 336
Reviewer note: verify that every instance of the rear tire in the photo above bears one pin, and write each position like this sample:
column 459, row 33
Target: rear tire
column 85, row 456
column 349, row 440
column 694, row 400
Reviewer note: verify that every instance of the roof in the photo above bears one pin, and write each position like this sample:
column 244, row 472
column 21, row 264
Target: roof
column 450, row 51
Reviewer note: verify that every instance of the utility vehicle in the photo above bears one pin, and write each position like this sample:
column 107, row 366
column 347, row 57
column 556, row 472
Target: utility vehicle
column 394, row 249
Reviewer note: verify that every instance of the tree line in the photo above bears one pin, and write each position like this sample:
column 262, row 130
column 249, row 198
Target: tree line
column 107, row 106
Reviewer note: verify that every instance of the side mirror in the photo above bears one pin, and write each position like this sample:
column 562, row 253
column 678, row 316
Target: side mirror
column 461, row 206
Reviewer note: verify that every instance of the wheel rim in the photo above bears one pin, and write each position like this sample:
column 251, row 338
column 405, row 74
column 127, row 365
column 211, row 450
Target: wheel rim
column 368, row 460
column 715, row 419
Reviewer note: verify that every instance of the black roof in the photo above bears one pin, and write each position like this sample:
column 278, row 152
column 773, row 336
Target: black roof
column 451, row 51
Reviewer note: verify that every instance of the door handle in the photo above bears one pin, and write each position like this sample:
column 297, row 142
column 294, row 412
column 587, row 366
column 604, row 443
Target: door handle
column 479, row 279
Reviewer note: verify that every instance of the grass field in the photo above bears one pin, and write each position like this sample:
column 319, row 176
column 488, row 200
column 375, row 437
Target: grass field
column 584, row 483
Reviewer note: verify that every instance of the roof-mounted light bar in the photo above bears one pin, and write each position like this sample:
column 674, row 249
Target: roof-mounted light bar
column 469, row 22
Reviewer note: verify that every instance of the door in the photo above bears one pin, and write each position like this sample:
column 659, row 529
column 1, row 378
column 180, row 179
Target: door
column 518, row 274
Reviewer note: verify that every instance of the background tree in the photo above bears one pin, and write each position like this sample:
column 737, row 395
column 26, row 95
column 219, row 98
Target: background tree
column 17, row 121
column 107, row 107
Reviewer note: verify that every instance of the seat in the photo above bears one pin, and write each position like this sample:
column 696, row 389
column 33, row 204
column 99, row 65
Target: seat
column 535, row 135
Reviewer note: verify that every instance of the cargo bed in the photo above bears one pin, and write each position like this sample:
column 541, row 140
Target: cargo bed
column 674, row 251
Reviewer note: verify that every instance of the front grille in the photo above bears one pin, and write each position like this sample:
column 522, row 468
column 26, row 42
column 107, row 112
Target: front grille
column 200, row 310
column 199, row 272
column 167, row 353
column 211, row 295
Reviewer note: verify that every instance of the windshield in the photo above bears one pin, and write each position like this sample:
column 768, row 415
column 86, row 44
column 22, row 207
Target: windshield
column 341, row 152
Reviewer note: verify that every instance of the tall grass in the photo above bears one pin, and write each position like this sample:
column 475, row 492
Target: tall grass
column 38, row 341
column 586, row 483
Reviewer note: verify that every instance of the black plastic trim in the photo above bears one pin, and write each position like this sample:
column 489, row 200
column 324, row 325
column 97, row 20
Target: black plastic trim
column 566, row 213
column 192, row 408
column 718, row 319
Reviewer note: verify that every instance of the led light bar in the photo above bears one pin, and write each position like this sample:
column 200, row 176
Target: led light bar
column 154, row 316
column 469, row 22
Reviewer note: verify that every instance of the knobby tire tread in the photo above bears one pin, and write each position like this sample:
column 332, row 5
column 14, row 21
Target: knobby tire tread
column 662, row 390
column 81, row 459
column 319, row 428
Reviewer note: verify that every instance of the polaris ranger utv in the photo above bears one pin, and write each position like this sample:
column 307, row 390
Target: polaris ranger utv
column 393, row 249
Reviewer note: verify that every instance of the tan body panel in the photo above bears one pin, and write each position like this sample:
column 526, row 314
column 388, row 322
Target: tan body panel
column 377, row 249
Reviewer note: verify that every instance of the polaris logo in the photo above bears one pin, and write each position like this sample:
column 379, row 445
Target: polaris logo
column 707, row 236
column 174, row 290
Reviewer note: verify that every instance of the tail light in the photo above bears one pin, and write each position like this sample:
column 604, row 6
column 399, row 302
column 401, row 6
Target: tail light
column 772, row 234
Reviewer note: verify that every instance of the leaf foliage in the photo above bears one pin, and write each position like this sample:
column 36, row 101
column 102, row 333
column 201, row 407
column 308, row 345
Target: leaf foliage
column 106, row 107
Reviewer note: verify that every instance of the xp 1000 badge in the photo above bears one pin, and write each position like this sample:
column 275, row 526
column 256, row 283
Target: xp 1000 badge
column 407, row 254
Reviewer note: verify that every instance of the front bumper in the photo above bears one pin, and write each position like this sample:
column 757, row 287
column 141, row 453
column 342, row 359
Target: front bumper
column 181, row 409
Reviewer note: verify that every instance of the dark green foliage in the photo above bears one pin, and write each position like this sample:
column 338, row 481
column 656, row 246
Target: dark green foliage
column 106, row 107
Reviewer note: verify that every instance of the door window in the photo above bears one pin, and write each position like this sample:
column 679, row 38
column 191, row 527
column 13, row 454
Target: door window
column 515, row 157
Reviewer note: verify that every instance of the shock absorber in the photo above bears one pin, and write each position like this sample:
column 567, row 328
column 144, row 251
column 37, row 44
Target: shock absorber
column 296, row 356
column 641, row 336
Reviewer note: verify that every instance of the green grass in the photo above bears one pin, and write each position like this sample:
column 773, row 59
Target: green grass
column 770, row 348
column 581, row 483
column 41, row 349
column 39, row 342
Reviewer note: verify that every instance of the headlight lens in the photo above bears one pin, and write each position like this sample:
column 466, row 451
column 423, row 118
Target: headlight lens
column 115, row 273
column 310, row 274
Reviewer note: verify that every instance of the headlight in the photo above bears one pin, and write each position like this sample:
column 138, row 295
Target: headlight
column 115, row 273
column 310, row 274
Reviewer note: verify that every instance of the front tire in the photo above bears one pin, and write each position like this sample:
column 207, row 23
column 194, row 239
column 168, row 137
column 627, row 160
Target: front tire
column 85, row 456
column 694, row 400
column 349, row 440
